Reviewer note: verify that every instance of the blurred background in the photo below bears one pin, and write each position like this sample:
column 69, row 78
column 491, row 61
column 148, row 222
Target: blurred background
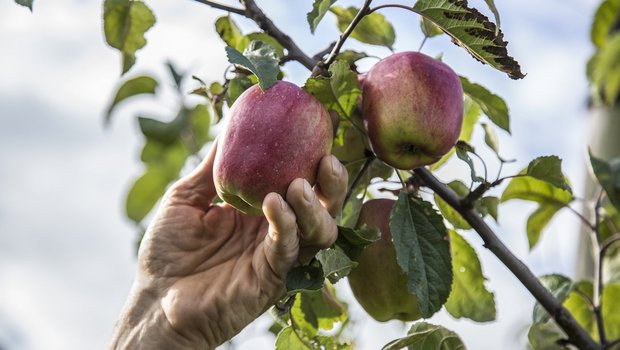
column 67, row 251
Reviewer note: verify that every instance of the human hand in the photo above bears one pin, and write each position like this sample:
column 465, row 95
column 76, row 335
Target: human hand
column 206, row 271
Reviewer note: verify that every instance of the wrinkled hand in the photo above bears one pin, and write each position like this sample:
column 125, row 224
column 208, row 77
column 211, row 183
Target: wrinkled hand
column 206, row 271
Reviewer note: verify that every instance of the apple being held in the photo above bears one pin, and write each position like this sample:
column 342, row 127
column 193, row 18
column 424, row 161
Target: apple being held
column 272, row 137
column 377, row 282
column 413, row 109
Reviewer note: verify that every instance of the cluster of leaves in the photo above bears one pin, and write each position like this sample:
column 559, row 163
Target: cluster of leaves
column 603, row 69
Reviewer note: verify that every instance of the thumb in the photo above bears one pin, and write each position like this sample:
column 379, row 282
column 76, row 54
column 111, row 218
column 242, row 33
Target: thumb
column 197, row 187
column 281, row 245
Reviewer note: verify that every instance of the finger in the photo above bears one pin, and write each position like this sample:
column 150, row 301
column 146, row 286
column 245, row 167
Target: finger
column 197, row 187
column 281, row 244
column 332, row 184
column 317, row 226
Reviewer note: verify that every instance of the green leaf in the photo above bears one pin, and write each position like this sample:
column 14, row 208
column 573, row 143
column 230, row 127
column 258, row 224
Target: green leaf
column 537, row 222
column 489, row 205
column 426, row 336
column 469, row 297
column 288, row 340
column 268, row 39
column 335, row 263
column 581, row 309
column 462, row 149
column 548, row 169
column 230, row 33
column 373, row 29
column 353, row 241
column 176, row 75
column 490, row 137
column 304, row 277
column 560, row 286
column 261, row 59
column 145, row 192
column 132, row 87
column 545, row 336
column 471, row 113
column 492, row 105
column 236, row 86
column 319, row 9
column 610, row 301
column 316, row 310
column 448, row 212
column 25, row 3
column 604, row 71
column 550, row 199
column 472, row 31
column 200, row 123
column 339, row 92
column 351, row 212
column 608, row 175
column 422, row 251
column 604, row 19
column 124, row 23
column 351, row 56
column 169, row 158
column 429, row 29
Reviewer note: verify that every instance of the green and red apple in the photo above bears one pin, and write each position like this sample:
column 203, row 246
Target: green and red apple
column 377, row 282
column 412, row 108
column 272, row 137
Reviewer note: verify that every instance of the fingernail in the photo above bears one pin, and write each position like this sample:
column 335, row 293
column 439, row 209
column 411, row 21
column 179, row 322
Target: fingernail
column 308, row 193
column 336, row 167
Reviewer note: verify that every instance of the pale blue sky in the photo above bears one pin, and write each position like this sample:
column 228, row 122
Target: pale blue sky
column 66, row 249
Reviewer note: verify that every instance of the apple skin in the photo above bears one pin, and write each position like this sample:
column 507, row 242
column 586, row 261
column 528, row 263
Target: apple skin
column 272, row 137
column 413, row 109
column 377, row 282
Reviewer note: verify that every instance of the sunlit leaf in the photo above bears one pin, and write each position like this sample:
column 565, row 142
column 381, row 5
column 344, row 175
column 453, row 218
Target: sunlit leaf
column 560, row 286
column 471, row 113
column 605, row 17
column 492, row 105
column 469, row 297
column 132, row 87
column 450, row 213
column 124, row 24
column 319, row 9
column 314, row 310
column 145, row 192
column 548, row 169
column 339, row 92
column 429, row 29
column 373, row 29
column 288, row 340
column 604, row 71
column 490, row 137
column 610, row 301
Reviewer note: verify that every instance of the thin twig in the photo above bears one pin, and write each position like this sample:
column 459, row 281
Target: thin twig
column 576, row 334
column 343, row 37
column 219, row 6
column 374, row 9
column 598, row 272
column 358, row 177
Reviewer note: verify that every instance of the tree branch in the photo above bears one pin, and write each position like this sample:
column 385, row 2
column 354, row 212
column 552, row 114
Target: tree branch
column 253, row 12
column 343, row 37
column 218, row 6
column 576, row 334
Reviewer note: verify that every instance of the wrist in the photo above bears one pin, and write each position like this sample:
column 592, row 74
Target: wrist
column 143, row 325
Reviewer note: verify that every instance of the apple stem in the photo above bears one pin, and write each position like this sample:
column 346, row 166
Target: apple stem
column 576, row 334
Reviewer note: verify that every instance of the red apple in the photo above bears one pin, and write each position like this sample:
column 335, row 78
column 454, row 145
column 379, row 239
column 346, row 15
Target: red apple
column 272, row 137
column 377, row 282
column 413, row 109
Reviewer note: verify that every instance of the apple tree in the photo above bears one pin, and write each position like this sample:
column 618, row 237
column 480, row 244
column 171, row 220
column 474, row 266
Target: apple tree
column 392, row 128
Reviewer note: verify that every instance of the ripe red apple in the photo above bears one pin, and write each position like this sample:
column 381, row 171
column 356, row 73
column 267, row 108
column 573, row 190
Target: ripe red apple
column 377, row 282
column 272, row 137
column 413, row 109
